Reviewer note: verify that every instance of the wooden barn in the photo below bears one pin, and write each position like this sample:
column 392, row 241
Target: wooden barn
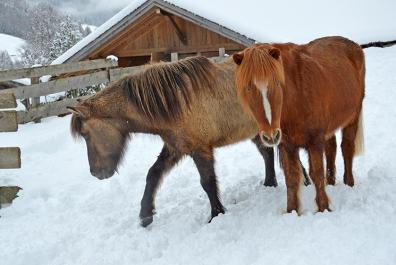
column 156, row 31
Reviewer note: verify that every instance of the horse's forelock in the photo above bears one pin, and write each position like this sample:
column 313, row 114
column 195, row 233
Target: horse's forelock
column 259, row 66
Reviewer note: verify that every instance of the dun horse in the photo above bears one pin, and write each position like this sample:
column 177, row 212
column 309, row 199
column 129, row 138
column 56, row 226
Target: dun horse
column 191, row 104
column 299, row 96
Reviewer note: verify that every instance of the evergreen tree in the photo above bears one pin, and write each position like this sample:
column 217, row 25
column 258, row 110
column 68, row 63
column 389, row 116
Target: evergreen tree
column 68, row 34
column 5, row 61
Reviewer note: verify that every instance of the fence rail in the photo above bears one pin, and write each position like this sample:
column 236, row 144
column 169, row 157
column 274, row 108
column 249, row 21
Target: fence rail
column 73, row 76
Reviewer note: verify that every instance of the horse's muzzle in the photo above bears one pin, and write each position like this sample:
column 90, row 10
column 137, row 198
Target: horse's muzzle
column 272, row 140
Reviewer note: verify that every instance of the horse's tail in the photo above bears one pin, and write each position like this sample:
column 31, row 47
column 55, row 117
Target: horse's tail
column 359, row 138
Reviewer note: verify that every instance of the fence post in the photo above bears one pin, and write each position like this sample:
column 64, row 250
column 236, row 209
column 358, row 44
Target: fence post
column 10, row 157
column 35, row 100
column 221, row 52
column 174, row 57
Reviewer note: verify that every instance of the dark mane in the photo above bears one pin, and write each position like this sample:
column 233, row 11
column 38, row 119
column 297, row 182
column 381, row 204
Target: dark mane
column 163, row 91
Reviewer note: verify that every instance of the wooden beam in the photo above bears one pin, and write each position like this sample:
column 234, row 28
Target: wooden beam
column 179, row 32
column 118, row 73
column 56, row 69
column 10, row 157
column 180, row 50
column 142, row 25
column 8, row 121
column 8, row 101
column 59, row 85
column 35, row 100
column 8, row 194
column 48, row 110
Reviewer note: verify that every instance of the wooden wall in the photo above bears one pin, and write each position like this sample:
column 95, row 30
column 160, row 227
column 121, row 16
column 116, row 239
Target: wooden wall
column 161, row 33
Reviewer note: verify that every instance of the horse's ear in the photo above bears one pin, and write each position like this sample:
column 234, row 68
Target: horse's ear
column 275, row 53
column 79, row 110
column 238, row 57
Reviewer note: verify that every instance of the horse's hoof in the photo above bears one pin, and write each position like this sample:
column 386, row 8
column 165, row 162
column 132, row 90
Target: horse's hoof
column 350, row 183
column 146, row 221
column 330, row 181
column 270, row 184
column 216, row 212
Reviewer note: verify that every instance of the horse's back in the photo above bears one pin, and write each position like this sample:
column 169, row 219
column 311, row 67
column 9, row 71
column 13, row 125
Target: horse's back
column 337, row 46
column 327, row 75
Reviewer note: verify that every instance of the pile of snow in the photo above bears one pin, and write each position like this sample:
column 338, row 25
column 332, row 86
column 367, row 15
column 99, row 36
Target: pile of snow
column 66, row 216
column 12, row 45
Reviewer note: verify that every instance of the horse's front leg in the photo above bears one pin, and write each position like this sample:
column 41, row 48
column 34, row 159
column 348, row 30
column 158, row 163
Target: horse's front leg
column 204, row 161
column 293, row 175
column 165, row 162
column 316, row 168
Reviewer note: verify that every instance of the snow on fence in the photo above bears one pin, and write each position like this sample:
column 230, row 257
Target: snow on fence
column 72, row 76
column 10, row 157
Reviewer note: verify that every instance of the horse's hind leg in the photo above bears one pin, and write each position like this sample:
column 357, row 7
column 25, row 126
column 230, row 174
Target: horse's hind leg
column 348, row 150
column 165, row 162
column 205, row 163
column 268, row 155
column 331, row 151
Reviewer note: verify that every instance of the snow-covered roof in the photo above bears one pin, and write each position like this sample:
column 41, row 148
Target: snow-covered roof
column 264, row 20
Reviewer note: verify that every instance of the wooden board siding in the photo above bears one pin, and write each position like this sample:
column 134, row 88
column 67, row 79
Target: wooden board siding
column 155, row 33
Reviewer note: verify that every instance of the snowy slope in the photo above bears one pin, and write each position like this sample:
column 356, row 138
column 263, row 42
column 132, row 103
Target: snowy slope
column 66, row 216
column 12, row 45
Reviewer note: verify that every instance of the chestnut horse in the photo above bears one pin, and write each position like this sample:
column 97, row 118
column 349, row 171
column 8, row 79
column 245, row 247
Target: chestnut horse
column 191, row 104
column 299, row 96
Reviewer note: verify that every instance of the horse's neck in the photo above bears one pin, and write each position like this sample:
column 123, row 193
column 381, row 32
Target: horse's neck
column 114, row 104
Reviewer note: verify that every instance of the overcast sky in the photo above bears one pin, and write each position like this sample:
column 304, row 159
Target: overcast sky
column 93, row 6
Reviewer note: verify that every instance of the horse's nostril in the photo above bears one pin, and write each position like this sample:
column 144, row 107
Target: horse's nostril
column 276, row 135
column 264, row 137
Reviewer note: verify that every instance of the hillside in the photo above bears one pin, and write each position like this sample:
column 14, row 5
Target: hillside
column 12, row 45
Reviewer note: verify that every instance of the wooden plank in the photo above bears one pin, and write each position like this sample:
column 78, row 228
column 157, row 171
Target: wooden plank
column 48, row 110
column 7, row 101
column 118, row 73
column 36, row 100
column 56, row 69
column 185, row 49
column 8, row 194
column 59, row 85
column 10, row 157
column 8, row 121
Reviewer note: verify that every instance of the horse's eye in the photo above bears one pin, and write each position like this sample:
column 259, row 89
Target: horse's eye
column 248, row 88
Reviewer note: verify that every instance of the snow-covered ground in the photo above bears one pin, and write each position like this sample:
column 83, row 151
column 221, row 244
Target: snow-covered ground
column 66, row 216
column 12, row 45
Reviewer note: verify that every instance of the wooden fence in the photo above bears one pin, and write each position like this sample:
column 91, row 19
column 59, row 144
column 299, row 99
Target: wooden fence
column 77, row 75
column 10, row 157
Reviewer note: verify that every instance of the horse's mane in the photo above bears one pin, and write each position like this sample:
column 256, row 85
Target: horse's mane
column 163, row 91
column 259, row 65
